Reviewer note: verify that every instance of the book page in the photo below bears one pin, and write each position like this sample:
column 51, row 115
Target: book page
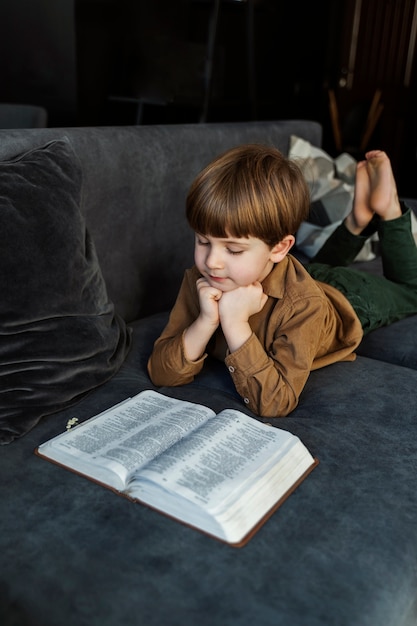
column 206, row 467
column 127, row 436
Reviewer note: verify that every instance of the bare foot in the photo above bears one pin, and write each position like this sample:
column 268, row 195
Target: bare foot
column 361, row 213
column 375, row 192
column 383, row 198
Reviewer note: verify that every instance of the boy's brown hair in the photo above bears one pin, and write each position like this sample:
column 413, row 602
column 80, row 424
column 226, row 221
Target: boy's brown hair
column 249, row 191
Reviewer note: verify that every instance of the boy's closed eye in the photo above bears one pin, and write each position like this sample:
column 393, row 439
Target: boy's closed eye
column 204, row 242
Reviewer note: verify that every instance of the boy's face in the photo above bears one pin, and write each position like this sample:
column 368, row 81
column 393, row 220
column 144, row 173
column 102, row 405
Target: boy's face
column 232, row 262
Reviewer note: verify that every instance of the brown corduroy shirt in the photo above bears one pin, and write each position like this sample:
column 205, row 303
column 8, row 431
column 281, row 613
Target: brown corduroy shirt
column 303, row 326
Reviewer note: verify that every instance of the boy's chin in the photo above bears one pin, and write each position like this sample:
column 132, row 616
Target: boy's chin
column 225, row 287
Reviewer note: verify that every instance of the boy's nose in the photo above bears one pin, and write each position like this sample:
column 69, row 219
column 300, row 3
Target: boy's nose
column 213, row 259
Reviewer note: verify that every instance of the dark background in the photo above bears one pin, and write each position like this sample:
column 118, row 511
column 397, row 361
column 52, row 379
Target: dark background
column 116, row 62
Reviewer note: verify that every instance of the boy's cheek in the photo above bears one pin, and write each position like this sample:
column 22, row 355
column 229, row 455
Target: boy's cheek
column 197, row 257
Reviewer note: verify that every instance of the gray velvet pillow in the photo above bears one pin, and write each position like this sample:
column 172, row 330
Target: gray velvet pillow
column 59, row 334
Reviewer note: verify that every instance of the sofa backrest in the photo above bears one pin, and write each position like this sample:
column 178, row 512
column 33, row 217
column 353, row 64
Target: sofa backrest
column 135, row 183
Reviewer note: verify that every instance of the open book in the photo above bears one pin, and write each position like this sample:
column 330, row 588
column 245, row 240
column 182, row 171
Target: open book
column 222, row 474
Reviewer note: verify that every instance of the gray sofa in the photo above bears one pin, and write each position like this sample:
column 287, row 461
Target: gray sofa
column 341, row 551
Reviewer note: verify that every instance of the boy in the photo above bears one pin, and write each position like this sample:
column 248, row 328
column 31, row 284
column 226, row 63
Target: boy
column 254, row 306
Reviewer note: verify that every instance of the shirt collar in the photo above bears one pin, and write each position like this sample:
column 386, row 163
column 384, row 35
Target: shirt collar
column 273, row 284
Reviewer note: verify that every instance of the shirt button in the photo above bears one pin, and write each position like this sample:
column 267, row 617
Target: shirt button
column 246, row 400
column 231, row 368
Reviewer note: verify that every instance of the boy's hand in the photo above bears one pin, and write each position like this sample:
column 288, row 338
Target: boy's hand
column 238, row 305
column 209, row 302
column 235, row 309
column 201, row 330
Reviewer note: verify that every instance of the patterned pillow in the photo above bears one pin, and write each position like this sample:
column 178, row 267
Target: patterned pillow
column 331, row 183
column 59, row 334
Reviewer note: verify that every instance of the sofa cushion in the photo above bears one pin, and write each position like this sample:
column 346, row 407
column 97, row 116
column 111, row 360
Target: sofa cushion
column 60, row 336
column 395, row 344
column 347, row 536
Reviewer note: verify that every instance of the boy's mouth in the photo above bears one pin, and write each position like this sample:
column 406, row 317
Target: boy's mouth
column 223, row 283
column 217, row 280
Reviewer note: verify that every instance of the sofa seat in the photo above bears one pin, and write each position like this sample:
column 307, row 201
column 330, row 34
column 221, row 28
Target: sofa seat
column 341, row 551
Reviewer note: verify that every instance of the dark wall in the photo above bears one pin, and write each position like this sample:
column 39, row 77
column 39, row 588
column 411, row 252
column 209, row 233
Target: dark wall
column 157, row 49
column 38, row 57
column 72, row 55
column 90, row 61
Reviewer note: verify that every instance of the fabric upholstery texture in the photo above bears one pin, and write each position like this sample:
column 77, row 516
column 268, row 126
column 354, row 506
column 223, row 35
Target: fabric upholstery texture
column 60, row 336
column 341, row 551
column 140, row 176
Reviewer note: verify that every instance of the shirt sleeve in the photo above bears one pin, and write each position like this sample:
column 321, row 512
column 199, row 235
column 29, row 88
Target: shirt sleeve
column 168, row 364
column 270, row 379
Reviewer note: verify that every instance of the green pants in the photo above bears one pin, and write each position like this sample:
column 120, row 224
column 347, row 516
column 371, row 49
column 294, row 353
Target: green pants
column 377, row 300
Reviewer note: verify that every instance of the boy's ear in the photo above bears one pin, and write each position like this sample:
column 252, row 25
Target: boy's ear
column 281, row 249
